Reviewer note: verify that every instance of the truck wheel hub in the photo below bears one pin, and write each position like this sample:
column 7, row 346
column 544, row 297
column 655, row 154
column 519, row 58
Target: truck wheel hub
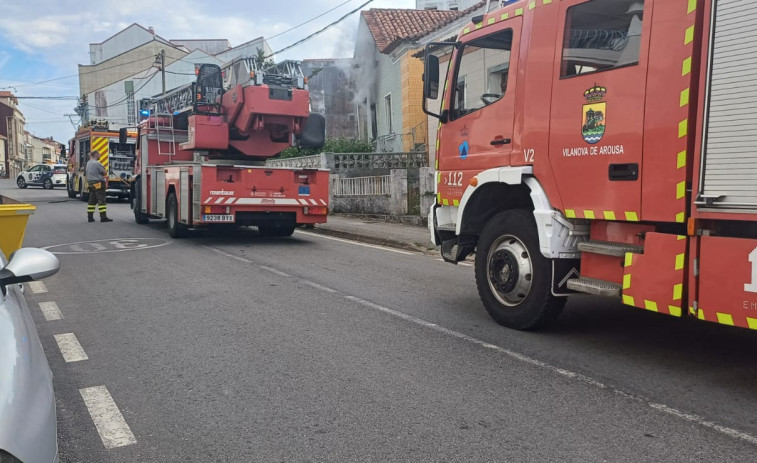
column 510, row 270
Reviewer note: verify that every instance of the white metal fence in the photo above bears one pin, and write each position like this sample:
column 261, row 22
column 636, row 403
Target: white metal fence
column 363, row 186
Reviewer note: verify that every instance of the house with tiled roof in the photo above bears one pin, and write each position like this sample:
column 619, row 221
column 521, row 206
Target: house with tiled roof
column 389, row 78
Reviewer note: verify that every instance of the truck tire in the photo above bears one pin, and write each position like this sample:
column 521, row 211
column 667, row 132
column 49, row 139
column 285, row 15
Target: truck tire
column 512, row 275
column 70, row 189
column 276, row 229
column 83, row 195
column 175, row 229
column 136, row 204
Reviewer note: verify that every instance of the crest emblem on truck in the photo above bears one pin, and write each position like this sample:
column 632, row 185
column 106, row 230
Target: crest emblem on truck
column 594, row 114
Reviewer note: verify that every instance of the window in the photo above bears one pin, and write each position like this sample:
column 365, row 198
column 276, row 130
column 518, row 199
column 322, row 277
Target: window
column 388, row 107
column 482, row 72
column 460, row 92
column 601, row 35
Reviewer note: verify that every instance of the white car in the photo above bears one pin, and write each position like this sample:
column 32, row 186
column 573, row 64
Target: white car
column 28, row 429
column 47, row 176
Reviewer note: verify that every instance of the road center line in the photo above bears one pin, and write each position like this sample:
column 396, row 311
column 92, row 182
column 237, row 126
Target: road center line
column 566, row 373
column 383, row 248
column 50, row 310
column 321, row 287
column 110, row 423
column 228, row 254
column 275, row 272
column 37, row 287
column 70, row 348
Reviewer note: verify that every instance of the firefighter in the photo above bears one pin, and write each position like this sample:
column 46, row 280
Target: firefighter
column 96, row 180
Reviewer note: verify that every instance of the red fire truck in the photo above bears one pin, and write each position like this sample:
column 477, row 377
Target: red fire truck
column 202, row 147
column 606, row 147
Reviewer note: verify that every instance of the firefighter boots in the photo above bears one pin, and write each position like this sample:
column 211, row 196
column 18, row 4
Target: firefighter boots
column 105, row 219
column 90, row 217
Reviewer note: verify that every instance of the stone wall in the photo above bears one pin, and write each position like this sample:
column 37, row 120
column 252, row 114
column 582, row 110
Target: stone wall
column 412, row 183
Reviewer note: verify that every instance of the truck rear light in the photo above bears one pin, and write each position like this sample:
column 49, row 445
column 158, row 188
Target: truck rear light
column 315, row 210
column 217, row 209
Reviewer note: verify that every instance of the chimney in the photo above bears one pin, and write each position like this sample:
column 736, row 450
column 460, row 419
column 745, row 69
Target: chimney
column 152, row 31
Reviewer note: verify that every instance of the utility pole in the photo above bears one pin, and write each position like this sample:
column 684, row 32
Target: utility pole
column 163, row 68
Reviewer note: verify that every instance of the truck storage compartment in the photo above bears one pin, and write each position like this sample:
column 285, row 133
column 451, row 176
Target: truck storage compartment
column 729, row 158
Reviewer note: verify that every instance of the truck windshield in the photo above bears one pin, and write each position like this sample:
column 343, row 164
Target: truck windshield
column 482, row 72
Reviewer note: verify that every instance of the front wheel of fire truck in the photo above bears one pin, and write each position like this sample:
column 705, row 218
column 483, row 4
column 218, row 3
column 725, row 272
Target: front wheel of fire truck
column 176, row 229
column 136, row 203
column 512, row 276
column 83, row 195
column 70, row 188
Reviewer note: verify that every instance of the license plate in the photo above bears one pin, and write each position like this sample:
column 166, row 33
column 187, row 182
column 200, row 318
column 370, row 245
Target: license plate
column 217, row 218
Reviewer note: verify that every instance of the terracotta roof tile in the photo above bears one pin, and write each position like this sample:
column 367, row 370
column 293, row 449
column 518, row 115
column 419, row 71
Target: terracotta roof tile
column 391, row 26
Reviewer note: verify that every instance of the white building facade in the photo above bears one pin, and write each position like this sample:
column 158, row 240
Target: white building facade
column 445, row 4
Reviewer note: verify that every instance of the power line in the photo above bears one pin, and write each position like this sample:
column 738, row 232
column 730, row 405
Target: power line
column 80, row 74
column 319, row 31
column 308, row 21
column 47, row 97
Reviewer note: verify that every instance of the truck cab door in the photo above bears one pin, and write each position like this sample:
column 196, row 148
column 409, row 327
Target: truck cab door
column 597, row 113
column 478, row 133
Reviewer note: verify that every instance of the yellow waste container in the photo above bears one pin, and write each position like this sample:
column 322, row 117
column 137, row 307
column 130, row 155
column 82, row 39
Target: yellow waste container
column 13, row 217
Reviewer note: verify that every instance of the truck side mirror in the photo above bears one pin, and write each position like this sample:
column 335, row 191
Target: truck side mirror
column 431, row 76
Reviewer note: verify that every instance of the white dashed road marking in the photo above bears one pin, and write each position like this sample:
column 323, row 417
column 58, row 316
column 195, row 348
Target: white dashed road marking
column 463, row 263
column 37, row 287
column 275, row 272
column 70, row 348
column 109, row 421
column 50, row 310
column 321, row 287
column 383, row 248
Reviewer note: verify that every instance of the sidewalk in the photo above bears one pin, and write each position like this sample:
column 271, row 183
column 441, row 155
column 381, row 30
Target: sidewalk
column 367, row 230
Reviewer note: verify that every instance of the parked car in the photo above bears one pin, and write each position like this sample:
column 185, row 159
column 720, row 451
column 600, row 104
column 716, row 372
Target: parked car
column 47, row 176
column 28, row 430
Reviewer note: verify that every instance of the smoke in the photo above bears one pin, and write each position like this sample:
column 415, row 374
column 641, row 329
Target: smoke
column 365, row 66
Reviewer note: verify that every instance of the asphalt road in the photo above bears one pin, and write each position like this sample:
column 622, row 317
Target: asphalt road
column 244, row 348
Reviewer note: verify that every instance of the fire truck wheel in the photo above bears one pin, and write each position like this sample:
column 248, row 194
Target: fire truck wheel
column 70, row 189
column 512, row 275
column 136, row 204
column 83, row 195
column 175, row 228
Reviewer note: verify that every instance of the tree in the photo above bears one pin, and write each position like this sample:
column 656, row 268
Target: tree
column 261, row 61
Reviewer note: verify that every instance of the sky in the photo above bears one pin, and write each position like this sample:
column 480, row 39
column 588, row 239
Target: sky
column 43, row 41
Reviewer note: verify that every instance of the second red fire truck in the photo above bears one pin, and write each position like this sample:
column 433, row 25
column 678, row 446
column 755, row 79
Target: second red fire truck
column 606, row 147
column 201, row 152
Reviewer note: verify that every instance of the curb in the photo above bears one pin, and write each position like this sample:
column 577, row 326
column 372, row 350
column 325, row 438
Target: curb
column 408, row 246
